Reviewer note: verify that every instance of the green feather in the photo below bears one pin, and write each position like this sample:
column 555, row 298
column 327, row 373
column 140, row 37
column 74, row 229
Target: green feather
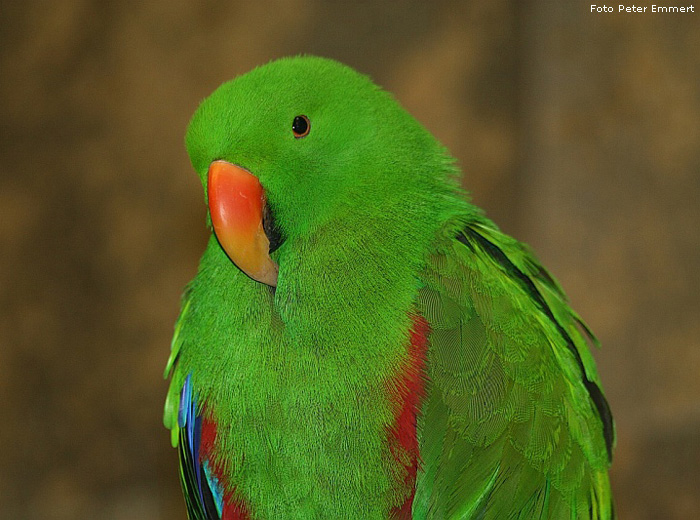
column 511, row 391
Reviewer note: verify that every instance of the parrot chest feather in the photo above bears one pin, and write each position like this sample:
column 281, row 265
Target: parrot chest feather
column 305, row 431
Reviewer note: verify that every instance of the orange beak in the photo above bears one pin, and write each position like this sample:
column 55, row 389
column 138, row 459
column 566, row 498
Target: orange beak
column 236, row 204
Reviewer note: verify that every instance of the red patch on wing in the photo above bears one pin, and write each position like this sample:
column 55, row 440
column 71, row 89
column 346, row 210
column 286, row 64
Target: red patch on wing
column 233, row 508
column 408, row 390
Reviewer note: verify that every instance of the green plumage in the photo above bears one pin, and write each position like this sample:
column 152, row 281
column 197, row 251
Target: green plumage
column 301, row 380
column 519, row 435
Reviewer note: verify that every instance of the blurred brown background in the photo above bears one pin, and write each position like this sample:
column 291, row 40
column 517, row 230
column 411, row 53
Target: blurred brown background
column 578, row 132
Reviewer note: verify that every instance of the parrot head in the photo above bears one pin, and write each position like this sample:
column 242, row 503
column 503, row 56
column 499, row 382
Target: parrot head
column 287, row 148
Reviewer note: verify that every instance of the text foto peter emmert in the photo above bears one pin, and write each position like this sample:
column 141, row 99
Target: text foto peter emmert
column 641, row 9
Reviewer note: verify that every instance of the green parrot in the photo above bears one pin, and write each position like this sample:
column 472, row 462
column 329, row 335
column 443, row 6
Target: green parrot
column 360, row 341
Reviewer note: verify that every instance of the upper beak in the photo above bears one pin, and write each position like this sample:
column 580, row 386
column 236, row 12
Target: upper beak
column 237, row 204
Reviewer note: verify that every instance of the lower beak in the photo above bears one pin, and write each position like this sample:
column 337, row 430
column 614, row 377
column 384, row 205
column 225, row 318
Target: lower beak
column 236, row 205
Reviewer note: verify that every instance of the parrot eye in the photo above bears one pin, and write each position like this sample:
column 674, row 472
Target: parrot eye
column 301, row 126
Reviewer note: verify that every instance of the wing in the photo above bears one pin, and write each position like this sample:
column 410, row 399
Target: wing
column 203, row 494
column 515, row 424
column 183, row 416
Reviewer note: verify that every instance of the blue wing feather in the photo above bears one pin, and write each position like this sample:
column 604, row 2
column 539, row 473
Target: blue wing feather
column 203, row 491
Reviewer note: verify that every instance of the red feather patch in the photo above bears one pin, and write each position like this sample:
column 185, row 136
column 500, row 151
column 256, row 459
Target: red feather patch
column 408, row 390
column 233, row 508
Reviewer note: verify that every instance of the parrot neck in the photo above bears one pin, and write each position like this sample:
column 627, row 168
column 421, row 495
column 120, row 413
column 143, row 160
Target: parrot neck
column 358, row 274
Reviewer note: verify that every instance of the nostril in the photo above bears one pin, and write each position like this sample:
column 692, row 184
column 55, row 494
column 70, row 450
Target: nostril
column 271, row 230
